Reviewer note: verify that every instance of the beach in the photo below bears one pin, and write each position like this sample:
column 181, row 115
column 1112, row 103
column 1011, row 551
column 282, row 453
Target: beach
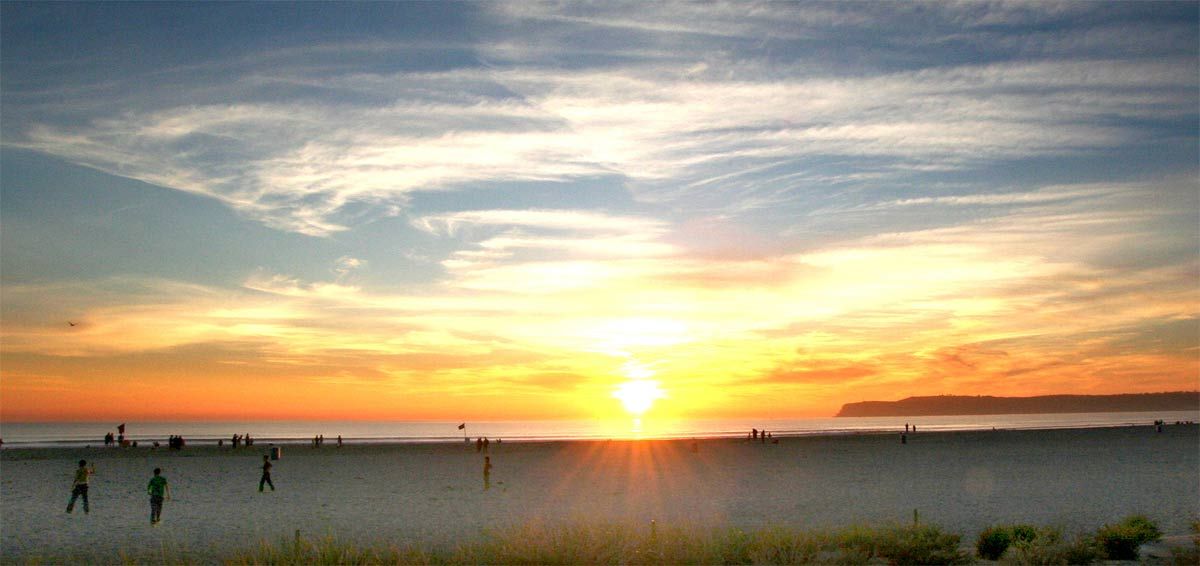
column 433, row 494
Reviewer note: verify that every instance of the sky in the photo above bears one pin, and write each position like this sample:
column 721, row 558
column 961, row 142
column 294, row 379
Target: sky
column 488, row 211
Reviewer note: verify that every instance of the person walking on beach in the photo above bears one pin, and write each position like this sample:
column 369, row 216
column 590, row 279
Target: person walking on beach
column 487, row 473
column 158, row 490
column 80, row 485
column 266, row 476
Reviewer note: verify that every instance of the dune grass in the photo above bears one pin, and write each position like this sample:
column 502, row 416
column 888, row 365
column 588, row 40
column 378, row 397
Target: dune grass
column 643, row 545
column 653, row 544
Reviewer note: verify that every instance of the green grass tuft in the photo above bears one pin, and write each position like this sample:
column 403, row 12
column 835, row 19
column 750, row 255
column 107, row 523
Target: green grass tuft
column 1121, row 541
column 1047, row 547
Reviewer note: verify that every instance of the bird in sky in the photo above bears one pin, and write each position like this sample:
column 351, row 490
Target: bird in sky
column 72, row 323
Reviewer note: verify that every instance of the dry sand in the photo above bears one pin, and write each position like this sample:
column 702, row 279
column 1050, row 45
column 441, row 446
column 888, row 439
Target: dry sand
column 433, row 494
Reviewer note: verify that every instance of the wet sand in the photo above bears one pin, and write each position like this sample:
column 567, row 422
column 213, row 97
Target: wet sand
column 433, row 494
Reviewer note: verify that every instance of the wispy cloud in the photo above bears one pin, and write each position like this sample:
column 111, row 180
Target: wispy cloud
column 673, row 133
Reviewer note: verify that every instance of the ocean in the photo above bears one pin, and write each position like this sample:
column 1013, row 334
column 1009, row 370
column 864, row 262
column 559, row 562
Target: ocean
column 68, row 434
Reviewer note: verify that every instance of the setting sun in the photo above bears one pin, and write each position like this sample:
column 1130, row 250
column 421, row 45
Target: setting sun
column 638, row 395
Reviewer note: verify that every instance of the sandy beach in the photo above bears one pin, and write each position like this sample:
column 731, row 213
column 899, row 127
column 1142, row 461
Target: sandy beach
column 433, row 493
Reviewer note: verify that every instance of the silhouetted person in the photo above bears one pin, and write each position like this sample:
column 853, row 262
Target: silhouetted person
column 79, row 487
column 485, row 444
column 487, row 473
column 339, row 441
column 266, row 475
column 479, row 444
column 904, row 438
column 158, row 490
column 754, row 433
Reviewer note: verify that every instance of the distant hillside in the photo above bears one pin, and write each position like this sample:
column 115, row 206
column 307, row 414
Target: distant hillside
column 963, row 405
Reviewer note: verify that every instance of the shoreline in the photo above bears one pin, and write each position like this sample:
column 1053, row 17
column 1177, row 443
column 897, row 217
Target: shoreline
column 145, row 441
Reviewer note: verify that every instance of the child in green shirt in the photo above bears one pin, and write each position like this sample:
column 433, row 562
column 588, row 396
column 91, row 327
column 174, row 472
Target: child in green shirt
column 158, row 490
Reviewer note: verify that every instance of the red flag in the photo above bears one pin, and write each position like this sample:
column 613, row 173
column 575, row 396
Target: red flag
column 462, row 426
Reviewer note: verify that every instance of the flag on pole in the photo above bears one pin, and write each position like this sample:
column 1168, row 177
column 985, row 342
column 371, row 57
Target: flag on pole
column 462, row 426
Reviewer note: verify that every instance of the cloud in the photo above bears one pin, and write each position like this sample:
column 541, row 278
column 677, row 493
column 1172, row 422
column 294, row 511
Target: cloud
column 562, row 220
column 737, row 127
column 346, row 265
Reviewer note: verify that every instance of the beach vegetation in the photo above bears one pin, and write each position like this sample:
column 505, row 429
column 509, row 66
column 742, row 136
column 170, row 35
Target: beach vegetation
column 921, row 544
column 994, row 540
column 604, row 543
column 1120, row 541
column 587, row 542
column 1048, row 547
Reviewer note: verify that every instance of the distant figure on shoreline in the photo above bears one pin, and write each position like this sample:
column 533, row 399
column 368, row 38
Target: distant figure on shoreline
column 235, row 440
column 487, row 473
column 485, row 444
column 79, row 487
column 266, row 474
column 479, row 444
column 339, row 441
column 754, row 433
column 158, row 490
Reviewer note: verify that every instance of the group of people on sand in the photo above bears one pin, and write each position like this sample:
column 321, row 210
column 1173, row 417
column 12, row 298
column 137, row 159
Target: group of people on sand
column 761, row 435
column 118, row 439
column 239, row 439
column 158, row 489
column 319, row 441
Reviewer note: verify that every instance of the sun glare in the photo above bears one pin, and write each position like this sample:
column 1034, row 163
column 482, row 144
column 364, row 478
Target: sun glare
column 638, row 395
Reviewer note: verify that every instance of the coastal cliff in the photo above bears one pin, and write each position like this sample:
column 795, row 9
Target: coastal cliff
column 986, row 405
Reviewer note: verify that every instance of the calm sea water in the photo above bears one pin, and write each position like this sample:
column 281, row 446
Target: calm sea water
column 287, row 432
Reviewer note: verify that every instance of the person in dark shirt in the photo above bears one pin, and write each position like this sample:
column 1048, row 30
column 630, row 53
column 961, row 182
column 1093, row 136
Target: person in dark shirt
column 487, row 472
column 158, row 490
column 266, row 475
